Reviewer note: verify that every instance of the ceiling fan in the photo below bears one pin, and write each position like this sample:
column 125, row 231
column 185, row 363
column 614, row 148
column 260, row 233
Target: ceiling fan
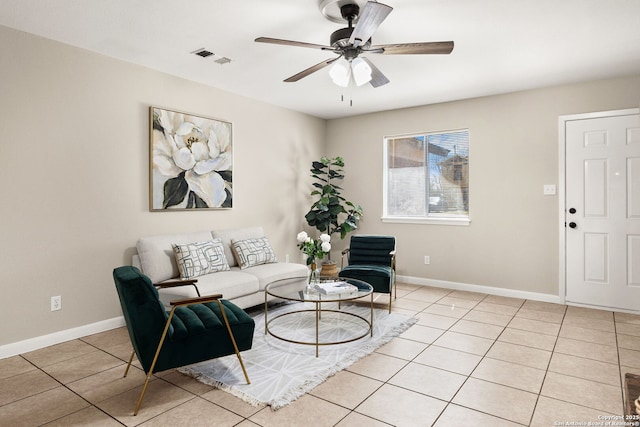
column 350, row 42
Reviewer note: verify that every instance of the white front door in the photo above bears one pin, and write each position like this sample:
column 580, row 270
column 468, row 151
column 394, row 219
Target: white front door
column 602, row 211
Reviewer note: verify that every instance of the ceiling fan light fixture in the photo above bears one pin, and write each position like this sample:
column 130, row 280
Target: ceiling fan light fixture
column 363, row 18
column 340, row 72
column 361, row 71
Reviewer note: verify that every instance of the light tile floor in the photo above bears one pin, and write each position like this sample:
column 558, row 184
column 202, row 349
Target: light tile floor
column 472, row 359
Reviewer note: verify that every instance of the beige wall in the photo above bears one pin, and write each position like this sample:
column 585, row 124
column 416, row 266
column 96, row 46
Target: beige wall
column 513, row 240
column 74, row 176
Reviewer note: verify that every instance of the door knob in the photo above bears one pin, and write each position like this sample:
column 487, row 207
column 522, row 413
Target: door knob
column 572, row 210
column 573, row 225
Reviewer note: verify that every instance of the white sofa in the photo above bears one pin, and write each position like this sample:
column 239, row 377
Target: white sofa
column 243, row 286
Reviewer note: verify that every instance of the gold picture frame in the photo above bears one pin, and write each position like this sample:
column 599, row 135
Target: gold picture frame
column 190, row 161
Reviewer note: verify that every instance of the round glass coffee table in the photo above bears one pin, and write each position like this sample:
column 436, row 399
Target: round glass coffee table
column 340, row 290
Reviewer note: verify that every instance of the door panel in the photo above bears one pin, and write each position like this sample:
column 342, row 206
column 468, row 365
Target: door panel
column 603, row 185
column 633, row 260
column 596, row 258
column 633, row 184
column 595, row 185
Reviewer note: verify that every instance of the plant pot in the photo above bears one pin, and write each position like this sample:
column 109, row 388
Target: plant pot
column 329, row 269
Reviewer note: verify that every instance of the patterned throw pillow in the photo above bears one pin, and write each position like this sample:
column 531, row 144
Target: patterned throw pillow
column 197, row 259
column 251, row 252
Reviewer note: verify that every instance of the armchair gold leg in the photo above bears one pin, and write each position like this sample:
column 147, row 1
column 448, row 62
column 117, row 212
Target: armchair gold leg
column 395, row 292
column 144, row 390
column 126, row 371
column 155, row 359
column 233, row 341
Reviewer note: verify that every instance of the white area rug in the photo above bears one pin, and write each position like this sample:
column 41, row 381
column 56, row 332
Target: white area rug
column 280, row 371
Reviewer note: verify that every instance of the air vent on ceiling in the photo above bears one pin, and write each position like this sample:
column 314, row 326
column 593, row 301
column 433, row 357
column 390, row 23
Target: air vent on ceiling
column 203, row 53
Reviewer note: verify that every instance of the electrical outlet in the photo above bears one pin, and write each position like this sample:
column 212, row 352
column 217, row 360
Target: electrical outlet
column 286, row 258
column 56, row 303
column 427, row 260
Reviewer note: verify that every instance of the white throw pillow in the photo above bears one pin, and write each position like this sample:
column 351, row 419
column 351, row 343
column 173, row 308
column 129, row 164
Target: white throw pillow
column 229, row 234
column 198, row 259
column 251, row 252
column 156, row 253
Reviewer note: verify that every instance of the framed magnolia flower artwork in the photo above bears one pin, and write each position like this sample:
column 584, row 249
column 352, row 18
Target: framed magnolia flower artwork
column 191, row 161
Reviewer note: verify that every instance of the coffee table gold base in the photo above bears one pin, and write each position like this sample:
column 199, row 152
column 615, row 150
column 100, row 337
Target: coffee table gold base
column 317, row 299
column 317, row 343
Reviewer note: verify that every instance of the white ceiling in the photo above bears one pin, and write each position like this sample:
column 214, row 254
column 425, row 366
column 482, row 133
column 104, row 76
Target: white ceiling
column 500, row 45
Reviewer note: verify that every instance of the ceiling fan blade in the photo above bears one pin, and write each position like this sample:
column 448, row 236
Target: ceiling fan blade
column 414, row 48
column 311, row 70
column 292, row 43
column 371, row 17
column 377, row 78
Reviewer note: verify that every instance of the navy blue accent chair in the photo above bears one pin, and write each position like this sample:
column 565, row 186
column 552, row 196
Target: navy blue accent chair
column 372, row 259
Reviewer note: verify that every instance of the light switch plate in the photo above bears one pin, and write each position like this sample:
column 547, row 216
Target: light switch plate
column 549, row 189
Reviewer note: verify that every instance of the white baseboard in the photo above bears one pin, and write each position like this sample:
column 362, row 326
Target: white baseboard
column 503, row 292
column 36, row 343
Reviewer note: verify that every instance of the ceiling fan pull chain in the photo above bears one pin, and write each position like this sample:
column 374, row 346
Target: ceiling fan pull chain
column 350, row 100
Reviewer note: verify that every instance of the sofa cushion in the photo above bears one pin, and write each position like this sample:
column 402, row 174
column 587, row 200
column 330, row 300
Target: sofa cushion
column 252, row 252
column 156, row 253
column 231, row 284
column 198, row 259
column 238, row 234
column 268, row 273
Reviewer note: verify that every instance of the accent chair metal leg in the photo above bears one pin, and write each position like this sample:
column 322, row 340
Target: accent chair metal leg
column 155, row 359
column 144, row 390
column 233, row 341
column 391, row 290
column 395, row 291
column 126, row 371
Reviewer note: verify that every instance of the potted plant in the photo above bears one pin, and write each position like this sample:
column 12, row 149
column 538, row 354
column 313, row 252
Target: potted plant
column 331, row 213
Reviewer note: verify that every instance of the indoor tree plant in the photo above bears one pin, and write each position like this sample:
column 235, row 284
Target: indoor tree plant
column 331, row 213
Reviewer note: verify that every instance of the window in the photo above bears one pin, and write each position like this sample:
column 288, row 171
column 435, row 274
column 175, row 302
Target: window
column 427, row 178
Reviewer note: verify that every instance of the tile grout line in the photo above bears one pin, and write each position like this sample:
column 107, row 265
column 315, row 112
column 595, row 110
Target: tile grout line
column 546, row 371
column 450, row 402
column 615, row 332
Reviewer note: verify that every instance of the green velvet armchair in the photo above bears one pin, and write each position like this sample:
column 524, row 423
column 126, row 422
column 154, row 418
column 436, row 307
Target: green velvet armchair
column 195, row 329
column 373, row 260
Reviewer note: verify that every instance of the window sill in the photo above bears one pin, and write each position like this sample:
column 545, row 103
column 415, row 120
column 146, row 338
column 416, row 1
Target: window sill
column 432, row 221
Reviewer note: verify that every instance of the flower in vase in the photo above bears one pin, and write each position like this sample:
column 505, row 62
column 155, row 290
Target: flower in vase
column 302, row 237
column 313, row 248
